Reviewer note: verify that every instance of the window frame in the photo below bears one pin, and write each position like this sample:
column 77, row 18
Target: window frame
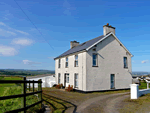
column 76, row 80
column 125, row 65
column 76, row 61
column 59, row 78
column 66, row 62
column 59, row 63
column 96, row 60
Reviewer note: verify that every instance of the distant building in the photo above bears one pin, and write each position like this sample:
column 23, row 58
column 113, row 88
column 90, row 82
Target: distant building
column 48, row 80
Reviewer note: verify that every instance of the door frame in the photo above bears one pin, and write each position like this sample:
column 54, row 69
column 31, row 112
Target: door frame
column 113, row 81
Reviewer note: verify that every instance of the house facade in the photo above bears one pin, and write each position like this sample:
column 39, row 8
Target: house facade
column 102, row 63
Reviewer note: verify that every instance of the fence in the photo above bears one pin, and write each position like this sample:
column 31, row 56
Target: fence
column 135, row 92
column 24, row 107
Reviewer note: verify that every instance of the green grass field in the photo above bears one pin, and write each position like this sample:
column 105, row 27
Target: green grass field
column 16, row 103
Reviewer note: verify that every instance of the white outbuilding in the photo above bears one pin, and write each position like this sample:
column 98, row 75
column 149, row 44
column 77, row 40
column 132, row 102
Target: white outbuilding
column 48, row 80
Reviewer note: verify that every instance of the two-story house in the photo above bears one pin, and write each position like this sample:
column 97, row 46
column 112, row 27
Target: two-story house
column 102, row 63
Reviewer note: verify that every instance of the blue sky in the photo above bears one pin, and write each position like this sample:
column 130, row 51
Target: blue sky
column 62, row 21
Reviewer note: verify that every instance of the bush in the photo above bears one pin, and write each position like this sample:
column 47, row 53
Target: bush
column 70, row 88
column 58, row 86
column 54, row 85
column 61, row 85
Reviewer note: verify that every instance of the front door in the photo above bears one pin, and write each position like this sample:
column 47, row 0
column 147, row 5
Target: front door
column 66, row 79
column 112, row 81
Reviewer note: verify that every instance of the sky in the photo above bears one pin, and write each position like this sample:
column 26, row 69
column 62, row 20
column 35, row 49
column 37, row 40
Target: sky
column 58, row 22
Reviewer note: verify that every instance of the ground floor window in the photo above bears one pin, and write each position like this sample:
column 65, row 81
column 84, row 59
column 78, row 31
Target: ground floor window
column 76, row 80
column 67, row 78
column 59, row 78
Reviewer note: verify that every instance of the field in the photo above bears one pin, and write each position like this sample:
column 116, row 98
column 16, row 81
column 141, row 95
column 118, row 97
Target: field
column 16, row 103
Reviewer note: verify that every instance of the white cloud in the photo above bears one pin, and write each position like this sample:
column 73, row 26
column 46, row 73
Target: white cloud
column 7, row 33
column 19, row 31
column 22, row 32
column 22, row 41
column 7, row 51
column 144, row 61
column 28, row 62
column 1, row 23
column 12, row 33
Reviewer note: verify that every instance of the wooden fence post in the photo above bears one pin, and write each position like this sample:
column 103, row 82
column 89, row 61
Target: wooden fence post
column 29, row 85
column 33, row 85
column 40, row 89
column 24, row 92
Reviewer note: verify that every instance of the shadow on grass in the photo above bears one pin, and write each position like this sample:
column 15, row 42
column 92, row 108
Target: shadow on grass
column 75, row 107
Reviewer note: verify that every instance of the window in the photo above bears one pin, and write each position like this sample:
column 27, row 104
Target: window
column 95, row 59
column 59, row 78
column 76, row 80
column 125, row 62
column 59, row 63
column 67, row 78
column 66, row 62
column 76, row 61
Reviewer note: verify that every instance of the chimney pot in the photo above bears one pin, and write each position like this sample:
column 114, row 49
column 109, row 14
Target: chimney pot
column 107, row 29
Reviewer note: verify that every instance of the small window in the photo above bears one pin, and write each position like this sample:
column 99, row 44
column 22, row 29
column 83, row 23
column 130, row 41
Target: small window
column 95, row 59
column 76, row 80
column 125, row 62
column 76, row 61
column 59, row 63
column 59, row 78
column 66, row 62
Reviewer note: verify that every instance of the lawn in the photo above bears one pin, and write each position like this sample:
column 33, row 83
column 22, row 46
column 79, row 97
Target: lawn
column 143, row 85
column 140, row 105
column 16, row 103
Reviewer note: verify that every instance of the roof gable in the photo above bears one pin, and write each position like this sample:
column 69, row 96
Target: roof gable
column 107, row 37
column 89, row 44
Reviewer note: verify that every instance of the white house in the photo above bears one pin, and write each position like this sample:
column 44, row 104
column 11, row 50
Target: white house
column 102, row 63
column 48, row 80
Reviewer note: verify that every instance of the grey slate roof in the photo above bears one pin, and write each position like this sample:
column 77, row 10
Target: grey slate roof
column 81, row 47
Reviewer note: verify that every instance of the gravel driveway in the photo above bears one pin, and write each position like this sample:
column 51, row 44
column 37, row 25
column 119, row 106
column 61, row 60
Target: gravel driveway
column 109, row 103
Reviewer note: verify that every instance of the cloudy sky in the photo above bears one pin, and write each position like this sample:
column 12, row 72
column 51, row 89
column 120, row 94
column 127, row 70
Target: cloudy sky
column 61, row 21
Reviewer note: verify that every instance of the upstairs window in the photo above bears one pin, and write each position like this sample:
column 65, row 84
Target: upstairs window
column 66, row 62
column 76, row 61
column 125, row 62
column 59, row 63
column 94, row 59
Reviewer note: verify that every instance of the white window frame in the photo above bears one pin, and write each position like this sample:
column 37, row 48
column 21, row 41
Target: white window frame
column 76, row 79
column 67, row 78
column 66, row 62
column 59, row 78
column 95, row 59
column 59, row 63
column 76, row 61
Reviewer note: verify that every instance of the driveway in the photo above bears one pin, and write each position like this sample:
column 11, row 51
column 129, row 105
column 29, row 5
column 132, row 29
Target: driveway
column 109, row 103
column 90, row 103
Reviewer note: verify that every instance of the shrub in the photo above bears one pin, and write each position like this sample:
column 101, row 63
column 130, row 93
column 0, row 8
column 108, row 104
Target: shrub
column 70, row 88
column 54, row 85
column 58, row 86
column 61, row 85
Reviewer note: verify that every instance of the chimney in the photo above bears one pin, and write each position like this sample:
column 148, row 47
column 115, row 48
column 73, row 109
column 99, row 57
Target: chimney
column 73, row 44
column 107, row 29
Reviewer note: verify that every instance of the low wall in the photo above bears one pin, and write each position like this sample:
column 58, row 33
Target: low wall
column 135, row 92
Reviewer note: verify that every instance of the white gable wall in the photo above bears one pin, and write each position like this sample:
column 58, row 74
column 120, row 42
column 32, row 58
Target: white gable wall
column 110, row 61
